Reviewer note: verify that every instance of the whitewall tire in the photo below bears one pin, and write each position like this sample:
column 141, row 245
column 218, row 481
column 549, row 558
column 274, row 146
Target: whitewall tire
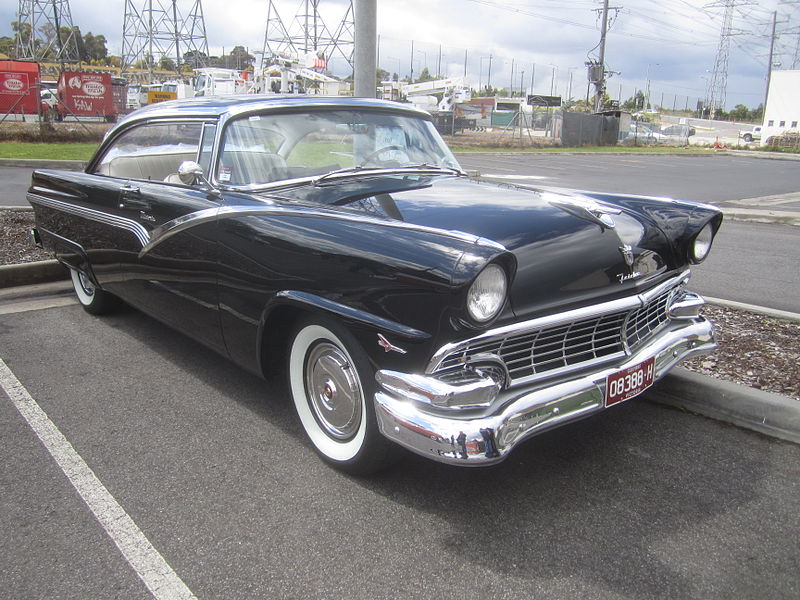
column 332, row 387
column 91, row 298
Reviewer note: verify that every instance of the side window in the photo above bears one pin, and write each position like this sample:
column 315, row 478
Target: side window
column 151, row 151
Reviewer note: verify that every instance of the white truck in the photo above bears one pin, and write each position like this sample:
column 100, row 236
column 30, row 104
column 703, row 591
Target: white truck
column 751, row 135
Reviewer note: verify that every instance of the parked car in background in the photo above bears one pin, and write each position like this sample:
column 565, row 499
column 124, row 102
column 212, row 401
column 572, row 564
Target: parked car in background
column 338, row 241
column 751, row 135
column 678, row 131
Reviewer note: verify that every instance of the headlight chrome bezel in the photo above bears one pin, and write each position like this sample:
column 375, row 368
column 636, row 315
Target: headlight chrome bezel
column 487, row 295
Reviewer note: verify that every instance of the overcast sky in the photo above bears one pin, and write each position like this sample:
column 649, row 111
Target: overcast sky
column 673, row 43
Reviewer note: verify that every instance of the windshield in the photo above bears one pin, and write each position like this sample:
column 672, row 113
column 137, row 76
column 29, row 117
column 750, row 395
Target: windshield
column 268, row 148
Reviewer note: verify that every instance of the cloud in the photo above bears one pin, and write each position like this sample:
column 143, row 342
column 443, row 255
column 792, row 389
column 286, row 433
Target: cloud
column 675, row 43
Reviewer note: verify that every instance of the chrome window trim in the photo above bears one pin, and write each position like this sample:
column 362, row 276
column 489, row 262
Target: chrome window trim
column 141, row 234
column 596, row 310
column 91, row 168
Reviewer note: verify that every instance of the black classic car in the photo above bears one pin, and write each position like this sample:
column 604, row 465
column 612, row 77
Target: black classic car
column 339, row 241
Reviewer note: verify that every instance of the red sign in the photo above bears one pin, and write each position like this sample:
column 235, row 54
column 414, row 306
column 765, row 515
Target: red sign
column 87, row 93
column 19, row 92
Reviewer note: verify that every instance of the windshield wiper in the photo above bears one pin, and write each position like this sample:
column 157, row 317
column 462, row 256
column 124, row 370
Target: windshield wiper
column 359, row 169
column 427, row 167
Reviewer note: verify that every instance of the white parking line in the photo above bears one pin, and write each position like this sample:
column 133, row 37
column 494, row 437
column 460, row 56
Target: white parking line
column 520, row 177
column 146, row 561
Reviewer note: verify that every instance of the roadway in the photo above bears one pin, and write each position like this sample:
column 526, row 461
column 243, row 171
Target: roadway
column 212, row 469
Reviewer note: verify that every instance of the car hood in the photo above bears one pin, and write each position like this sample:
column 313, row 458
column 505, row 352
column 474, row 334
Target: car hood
column 564, row 253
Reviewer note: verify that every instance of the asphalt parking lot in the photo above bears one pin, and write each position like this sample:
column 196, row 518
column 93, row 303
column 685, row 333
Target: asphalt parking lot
column 207, row 461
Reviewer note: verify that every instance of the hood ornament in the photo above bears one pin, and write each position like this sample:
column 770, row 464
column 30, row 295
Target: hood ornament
column 587, row 208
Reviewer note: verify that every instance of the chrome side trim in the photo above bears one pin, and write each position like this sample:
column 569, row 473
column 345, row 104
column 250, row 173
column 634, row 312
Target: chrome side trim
column 175, row 226
column 595, row 310
column 170, row 228
column 98, row 216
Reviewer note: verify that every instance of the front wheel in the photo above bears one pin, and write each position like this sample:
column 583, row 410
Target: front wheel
column 332, row 386
column 748, row 137
column 92, row 298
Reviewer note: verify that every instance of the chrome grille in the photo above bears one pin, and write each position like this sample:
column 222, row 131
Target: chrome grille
column 644, row 321
column 567, row 346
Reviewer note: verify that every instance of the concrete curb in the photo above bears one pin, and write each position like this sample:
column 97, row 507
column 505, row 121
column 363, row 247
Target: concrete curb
column 38, row 163
column 29, row 273
column 760, row 310
column 771, row 414
column 762, row 216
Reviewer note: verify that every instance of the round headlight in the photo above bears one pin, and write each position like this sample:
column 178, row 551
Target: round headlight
column 487, row 294
column 702, row 244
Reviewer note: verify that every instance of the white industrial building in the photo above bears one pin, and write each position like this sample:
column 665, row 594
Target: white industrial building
column 783, row 104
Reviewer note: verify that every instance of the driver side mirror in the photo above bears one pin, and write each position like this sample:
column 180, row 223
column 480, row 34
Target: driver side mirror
column 190, row 173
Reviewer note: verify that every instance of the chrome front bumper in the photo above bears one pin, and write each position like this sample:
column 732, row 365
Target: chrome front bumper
column 484, row 436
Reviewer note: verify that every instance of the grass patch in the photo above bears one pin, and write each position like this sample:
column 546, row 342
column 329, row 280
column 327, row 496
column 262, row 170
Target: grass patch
column 47, row 151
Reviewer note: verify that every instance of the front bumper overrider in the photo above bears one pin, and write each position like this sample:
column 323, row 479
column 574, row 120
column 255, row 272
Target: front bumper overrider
column 483, row 436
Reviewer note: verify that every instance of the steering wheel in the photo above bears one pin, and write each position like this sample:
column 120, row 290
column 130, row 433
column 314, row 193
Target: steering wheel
column 380, row 151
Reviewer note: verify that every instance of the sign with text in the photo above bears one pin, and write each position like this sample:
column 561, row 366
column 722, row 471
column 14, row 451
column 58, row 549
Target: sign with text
column 19, row 92
column 544, row 100
column 86, row 93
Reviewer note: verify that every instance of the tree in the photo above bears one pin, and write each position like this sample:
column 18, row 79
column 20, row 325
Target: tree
column 424, row 76
column 22, row 32
column 94, row 47
column 635, row 102
column 165, row 63
column 7, row 46
column 195, row 58
column 381, row 75
column 237, row 59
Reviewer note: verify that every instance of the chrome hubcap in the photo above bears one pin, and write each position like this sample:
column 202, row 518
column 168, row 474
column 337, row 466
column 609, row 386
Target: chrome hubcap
column 86, row 283
column 333, row 391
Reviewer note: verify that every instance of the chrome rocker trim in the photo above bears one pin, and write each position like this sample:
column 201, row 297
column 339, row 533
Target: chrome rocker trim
column 481, row 438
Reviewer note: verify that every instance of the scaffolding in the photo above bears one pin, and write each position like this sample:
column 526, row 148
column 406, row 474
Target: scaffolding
column 45, row 31
column 159, row 30
column 308, row 35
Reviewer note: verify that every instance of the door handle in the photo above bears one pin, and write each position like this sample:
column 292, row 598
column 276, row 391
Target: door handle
column 131, row 197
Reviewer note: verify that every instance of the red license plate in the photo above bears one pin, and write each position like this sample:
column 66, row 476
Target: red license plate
column 629, row 382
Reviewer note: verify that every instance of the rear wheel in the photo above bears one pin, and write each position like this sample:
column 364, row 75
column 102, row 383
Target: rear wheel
column 92, row 298
column 332, row 386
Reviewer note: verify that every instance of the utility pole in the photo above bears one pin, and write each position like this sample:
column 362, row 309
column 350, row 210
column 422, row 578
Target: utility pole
column 411, row 77
column 600, row 86
column 771, row 56
column 597, row 68
column 365, row 55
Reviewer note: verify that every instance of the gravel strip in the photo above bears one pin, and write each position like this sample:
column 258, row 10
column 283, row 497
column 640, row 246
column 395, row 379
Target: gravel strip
column 755, row 350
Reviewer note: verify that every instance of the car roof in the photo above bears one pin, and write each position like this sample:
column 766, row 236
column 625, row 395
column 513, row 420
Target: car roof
column 216, row 106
